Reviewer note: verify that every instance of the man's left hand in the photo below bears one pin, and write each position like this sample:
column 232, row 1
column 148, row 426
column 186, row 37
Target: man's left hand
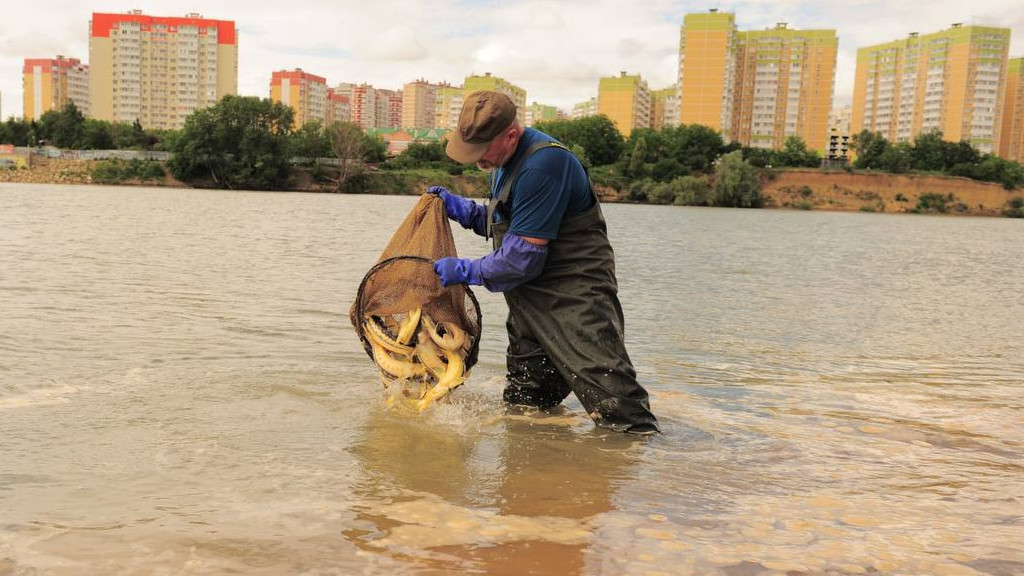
column 458, row 271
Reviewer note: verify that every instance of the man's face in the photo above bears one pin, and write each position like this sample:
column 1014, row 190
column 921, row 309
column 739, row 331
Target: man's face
column 499, row 151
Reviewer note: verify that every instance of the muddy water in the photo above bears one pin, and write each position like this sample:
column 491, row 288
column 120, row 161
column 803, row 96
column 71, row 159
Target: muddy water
column 181, row 393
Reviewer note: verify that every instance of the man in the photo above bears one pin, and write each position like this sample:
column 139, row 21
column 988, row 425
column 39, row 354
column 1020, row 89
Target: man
column 553, row 262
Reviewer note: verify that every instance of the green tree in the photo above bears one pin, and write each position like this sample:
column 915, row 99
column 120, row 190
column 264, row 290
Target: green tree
column 96, row 135
column 348, row 143
column 62, row 128
column 596, row 134
column 928, row 153
column 736, row 183
column 19, row 132
column 638, row 158
column 694, row 146
column 795, row 153
column 311, row 142
column 870, row 147
column 896, row 158
column 240, row 142
column 375, row 148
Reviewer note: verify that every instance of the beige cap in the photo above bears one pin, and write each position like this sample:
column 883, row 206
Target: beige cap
column 485, row 115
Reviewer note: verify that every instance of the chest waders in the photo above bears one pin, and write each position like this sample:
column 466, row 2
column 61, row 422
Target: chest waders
column 565, row 327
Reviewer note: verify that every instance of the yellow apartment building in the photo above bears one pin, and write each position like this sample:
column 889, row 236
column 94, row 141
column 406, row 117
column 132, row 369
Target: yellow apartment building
column 536, row 113
column 449, row 104
column 488, row 82
column 626, row 100
column 784, row 86
column 1011, row 140
column 159, row 70
column 950, row 81
column 706, row 69
column 303, row 92
column 50, row 83
column 584, row 109
column 419, row 105
column 756, row 87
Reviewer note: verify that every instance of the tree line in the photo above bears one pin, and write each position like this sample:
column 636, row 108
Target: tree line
column 249, row 142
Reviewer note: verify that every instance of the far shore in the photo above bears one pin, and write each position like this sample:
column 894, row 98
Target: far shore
column 796, row 189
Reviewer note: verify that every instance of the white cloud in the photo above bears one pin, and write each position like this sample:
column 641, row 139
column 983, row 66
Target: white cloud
column 555, row 49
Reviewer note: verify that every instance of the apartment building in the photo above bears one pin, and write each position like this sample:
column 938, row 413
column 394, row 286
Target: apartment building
column 536, row 113
column 50, row 83
column 756, row 87
column 339, row 109
column 1011, row 139
column 419, row 104
column 584, row 109
column 784, row 85
column 362, row 100
column 626, row 100
column 449, row 105
column 303, row 92
column 707, row 69
column 665, row 107
column 488, row 82
column 158, row 70
column 950, row 81
column 389, row 108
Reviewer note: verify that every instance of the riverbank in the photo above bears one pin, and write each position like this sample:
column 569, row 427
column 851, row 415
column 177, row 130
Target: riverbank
column 796, row 189
column 809, row 189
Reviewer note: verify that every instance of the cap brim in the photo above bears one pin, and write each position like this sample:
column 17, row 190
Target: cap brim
column 464, row 152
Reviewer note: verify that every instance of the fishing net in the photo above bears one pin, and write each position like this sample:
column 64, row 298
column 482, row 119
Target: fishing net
column 402, row 283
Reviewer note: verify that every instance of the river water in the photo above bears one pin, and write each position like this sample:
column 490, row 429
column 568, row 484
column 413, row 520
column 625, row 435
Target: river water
column 181, row 393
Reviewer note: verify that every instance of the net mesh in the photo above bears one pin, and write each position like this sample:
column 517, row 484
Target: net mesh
column 404, row 279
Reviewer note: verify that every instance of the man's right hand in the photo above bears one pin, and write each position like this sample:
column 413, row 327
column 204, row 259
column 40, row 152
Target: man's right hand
column 469, row 214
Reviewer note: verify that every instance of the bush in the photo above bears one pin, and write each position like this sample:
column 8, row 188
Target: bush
column 117, row 171
column 692, row 191
column 930, row 203
column 1014, row 208
column 736, row 183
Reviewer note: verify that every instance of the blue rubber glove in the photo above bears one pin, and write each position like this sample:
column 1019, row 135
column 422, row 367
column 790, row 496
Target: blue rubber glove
column 516, row 262
column 469, row 214
column 458, row 271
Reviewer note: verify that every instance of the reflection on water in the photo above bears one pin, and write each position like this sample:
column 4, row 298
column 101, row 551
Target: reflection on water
column 434, row 495
column 181, row 392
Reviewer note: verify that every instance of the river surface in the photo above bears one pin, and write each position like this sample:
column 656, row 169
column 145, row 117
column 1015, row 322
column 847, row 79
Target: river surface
column 181, row 392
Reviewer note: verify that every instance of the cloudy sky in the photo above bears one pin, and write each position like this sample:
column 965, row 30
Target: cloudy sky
column 555, row 49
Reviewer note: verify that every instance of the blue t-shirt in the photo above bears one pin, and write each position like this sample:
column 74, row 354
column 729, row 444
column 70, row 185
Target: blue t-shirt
column 552, row 186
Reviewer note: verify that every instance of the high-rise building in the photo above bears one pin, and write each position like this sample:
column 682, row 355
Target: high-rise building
column 756, row 87
column 536, row 113
column 493, row 83
column 665, row 107
column 339, row 108
column 706, row 69
column 1011, row 139
column 389, row 108
column 783, row 86
column 362, row 104
column 303, row 92
column 584, row 109
column 626, row 100
column 419, row 104
column 159, row 70
column 449, row 106
column 950, row 81
column 50, row 83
